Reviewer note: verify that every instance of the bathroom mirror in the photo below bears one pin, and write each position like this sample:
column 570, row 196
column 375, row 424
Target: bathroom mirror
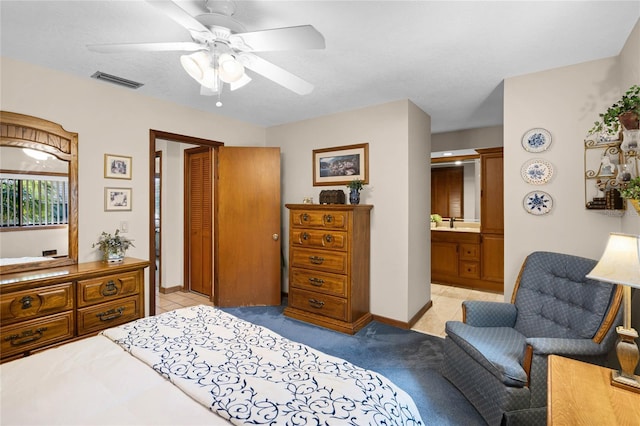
column 18, row 132
column 457, row 179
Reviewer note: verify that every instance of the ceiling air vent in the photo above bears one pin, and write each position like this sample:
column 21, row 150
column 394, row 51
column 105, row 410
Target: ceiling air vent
column 116, row 80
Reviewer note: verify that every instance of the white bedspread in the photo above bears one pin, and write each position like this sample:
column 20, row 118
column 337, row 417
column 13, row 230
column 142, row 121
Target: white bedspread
column 250, row 375
column 93, row 382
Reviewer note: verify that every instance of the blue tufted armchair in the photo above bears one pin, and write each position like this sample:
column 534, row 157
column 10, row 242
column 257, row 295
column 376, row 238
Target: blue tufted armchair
column 497, row 356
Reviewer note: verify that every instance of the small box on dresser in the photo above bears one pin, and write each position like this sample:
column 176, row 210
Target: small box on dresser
column 329, row 265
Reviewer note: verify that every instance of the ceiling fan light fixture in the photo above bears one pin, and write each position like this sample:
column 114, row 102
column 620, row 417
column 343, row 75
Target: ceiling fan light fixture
column 243, row 81
column 210, row 79
column 229, row 68
column 196, row 64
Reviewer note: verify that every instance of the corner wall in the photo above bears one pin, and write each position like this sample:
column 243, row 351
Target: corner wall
column 565, row 101
column 395, row 273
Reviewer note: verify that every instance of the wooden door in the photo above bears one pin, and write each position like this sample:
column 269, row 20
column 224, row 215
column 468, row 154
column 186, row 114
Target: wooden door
column 248, row 260
column 444, row 259
column 198, row 269
column 447, row 191
column 492, row 198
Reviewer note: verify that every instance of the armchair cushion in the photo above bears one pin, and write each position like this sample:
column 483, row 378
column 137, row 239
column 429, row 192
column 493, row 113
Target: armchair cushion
column 499, row 350
column 555, row 299
column 489, row 314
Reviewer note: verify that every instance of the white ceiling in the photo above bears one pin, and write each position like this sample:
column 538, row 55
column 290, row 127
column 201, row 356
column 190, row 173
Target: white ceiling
column 447, row 57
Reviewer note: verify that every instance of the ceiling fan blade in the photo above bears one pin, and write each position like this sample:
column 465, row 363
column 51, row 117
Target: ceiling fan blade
column 275, row 73
column 288, row 38
column 179, row 15
column 188, row 46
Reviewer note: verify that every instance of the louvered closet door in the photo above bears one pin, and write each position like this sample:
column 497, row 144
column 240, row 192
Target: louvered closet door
column 199, row 256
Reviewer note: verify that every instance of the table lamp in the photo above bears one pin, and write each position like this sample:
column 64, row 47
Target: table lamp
column 620, row 264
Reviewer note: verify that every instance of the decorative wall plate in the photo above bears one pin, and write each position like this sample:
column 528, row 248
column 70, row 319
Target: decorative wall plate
column 537, row 171
column 536, row 140
column 537, row 203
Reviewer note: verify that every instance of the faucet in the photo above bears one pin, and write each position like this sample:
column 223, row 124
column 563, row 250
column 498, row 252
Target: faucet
column 451, row 220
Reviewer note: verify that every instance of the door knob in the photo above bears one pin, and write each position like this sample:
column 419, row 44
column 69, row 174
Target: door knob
column 275, row 237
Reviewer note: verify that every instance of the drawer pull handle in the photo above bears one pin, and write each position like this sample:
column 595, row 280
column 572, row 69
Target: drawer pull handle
column 316, row 303
column 328, row 238
column 27, row 336
column 305, row 217
column 328, row 218
column 316, row 260
column 26, row 302
column 111, row 314
column 305, row 236
column 110, row 289
column 316, row 281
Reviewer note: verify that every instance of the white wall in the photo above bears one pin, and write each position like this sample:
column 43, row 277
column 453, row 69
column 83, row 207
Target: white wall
column 482, row 137
column 386, row 129
column 111, row 119
column 565, row 101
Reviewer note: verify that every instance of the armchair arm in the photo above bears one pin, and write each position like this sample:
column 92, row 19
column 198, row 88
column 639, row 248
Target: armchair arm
column 562, row 346
column 488, row 314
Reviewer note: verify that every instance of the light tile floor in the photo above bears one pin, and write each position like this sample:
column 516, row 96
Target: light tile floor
column 447, row 305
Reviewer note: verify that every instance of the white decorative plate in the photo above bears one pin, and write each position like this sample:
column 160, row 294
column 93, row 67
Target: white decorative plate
column 537, row 203
column 536, row 140
column 537, row 171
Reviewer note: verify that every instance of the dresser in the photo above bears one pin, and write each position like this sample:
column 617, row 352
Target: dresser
column 582, row 394
column 48, row 307
column 329, row 249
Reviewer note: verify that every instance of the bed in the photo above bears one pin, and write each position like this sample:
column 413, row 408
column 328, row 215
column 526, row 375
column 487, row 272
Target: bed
column 196, row 365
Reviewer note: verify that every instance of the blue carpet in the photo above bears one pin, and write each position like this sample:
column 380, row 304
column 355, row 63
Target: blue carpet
column 408, row 358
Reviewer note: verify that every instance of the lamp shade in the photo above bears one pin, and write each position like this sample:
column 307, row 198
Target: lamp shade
column 195, row 64
column 620, row 262
column 229, row 68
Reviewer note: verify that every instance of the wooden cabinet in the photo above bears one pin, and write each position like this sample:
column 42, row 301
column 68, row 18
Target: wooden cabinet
column 329, row 265
column 48, row 307
column 492, row 218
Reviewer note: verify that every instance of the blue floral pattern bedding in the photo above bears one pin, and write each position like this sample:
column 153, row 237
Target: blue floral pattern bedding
column 250, row 375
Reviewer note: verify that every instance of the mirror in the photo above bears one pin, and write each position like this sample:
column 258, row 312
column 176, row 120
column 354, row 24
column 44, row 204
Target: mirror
column 24, row 131
column 455, row 181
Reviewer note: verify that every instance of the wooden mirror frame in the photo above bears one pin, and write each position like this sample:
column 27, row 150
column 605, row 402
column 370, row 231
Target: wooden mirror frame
column 19, row 130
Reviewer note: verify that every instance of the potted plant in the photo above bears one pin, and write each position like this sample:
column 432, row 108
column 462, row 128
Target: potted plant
column 435, row 220
column 625, row 112
column 355, row 186
column 631, row 191
column 113, row 247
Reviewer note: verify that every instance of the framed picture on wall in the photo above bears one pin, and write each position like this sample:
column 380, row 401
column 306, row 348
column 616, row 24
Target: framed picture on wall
column 340, row 165
column 117, row 166
column 117, row 199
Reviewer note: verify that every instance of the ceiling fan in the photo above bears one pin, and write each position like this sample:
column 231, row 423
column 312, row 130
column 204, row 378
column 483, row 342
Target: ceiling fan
column 223, row 50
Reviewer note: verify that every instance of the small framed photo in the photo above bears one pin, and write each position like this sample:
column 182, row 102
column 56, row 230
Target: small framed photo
column 117, row 199
column 340, row 165
column 117, row 166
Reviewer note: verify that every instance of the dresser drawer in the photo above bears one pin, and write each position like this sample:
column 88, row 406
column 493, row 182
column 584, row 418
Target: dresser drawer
column 318, row 303
column 470, row 251
column 335, row 240
column 319, row 219
column 32, row 334
column 320, row 260
column 37, row 302
column 318, row 281
column 108, row 287
column 107, row 315
column 469, row 269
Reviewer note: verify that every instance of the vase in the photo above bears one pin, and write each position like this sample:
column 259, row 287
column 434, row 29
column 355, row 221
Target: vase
column 354, row 196
column 115, row 256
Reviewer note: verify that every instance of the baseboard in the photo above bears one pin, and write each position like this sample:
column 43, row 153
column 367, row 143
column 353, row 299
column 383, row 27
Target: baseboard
column 402, row 324
column 168, row 290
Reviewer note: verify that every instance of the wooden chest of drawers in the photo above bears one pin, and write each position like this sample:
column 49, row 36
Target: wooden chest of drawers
column 48, row 307
column 329, row 265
